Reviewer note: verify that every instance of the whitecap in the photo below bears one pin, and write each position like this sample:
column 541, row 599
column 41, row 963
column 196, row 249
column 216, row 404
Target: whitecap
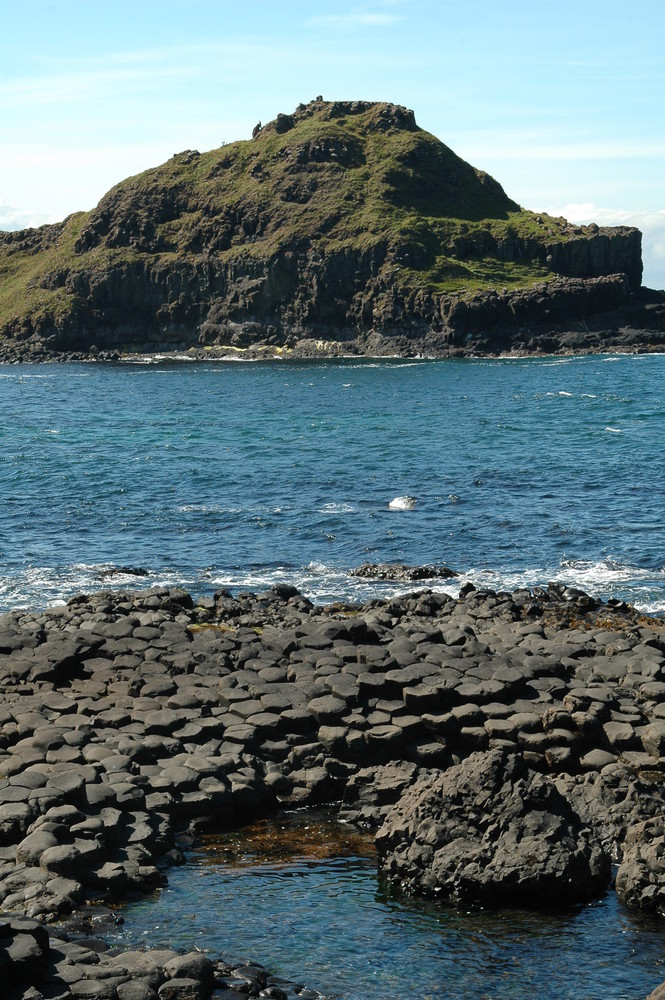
column 614, row 430
column 562, row 393
column 589, row 573
column 337, row 508
column 403, row 503
column 602, row 578
column 49, row 586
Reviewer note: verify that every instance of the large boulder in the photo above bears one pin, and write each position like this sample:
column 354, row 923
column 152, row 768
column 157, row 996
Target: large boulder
column 640, row 881
column 491, row 831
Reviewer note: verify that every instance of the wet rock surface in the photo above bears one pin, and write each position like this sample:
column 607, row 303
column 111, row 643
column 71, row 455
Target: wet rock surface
column 640, row 881
column 37, row 964
column 130, row 720
column 399, row 571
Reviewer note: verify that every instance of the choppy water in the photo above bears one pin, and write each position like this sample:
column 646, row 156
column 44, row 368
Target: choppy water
column 241, row 474
column 320, row 917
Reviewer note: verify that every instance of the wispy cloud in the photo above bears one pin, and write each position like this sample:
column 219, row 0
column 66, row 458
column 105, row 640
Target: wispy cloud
column 357, row 18
column 14, row 217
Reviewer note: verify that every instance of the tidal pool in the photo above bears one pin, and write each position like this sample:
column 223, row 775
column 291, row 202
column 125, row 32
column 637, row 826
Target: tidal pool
column 300, row 895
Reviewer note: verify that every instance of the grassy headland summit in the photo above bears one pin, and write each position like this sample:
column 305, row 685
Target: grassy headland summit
column 342, row 228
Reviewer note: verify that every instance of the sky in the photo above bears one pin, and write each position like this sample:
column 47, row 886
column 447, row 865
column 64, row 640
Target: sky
column 562, row 101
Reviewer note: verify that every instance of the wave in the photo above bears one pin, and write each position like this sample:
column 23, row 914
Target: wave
column 49, row 586
column 43, row 586
column 602, row 579
column 337, row 508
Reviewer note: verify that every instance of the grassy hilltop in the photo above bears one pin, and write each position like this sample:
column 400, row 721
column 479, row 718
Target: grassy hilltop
column 313, row 223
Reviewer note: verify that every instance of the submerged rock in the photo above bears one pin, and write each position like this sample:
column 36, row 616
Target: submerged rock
column 490, row 830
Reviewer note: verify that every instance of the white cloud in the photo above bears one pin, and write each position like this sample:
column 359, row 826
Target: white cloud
column 14, row 217
column 357, row 18
column 652, row 225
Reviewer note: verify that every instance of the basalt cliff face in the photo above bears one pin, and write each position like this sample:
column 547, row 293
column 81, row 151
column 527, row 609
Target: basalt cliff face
column 342, row 228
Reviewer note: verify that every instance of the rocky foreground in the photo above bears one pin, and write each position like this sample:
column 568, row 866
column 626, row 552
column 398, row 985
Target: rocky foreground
column 506, row 748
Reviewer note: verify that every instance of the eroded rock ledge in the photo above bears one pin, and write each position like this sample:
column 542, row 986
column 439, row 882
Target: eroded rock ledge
column 131, row 718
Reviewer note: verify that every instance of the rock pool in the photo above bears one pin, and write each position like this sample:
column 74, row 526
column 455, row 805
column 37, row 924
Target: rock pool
column 301, row 895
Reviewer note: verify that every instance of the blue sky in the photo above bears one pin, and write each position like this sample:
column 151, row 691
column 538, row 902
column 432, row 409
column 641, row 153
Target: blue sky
column 563, row 102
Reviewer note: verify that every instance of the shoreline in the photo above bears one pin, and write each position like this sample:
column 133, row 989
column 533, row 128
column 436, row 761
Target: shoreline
column 132, row 718
column 377, row 589
column 331, row 351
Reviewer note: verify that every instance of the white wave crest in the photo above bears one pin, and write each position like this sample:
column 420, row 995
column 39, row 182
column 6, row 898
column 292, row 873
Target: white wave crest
column 403, row 503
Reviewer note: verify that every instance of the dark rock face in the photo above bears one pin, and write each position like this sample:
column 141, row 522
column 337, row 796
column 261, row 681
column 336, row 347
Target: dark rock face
column 490, row 830
column 37, row 964
column 640, row 881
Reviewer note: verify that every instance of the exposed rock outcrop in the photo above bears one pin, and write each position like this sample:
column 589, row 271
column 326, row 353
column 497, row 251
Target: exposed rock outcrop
column 640, row 881
column 490, row 830
column 400, row 571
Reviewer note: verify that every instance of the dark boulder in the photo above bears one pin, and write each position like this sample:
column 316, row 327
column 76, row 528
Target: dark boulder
column 491, row 831
column 640, row 881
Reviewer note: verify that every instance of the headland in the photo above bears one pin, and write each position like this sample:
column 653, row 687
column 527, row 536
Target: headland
column 340, row 229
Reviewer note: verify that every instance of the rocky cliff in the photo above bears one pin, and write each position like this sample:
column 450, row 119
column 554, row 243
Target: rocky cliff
column 343, row 226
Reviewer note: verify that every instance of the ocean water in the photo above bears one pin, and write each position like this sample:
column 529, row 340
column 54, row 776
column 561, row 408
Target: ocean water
column 303, row 898
column 240, row 474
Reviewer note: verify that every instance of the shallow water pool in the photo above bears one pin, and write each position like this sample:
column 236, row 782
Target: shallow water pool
column 300, row 894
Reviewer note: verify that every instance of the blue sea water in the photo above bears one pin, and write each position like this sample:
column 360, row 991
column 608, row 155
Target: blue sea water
column 238, row 475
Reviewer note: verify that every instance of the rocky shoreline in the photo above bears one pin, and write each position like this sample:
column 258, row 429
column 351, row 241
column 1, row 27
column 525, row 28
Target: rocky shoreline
column 536, row 322
column 532, row 343
column 505, row 747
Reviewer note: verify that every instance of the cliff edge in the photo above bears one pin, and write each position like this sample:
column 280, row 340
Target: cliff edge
column 340, row 228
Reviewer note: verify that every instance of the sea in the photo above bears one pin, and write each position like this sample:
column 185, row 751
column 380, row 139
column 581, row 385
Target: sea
column 239, row 475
